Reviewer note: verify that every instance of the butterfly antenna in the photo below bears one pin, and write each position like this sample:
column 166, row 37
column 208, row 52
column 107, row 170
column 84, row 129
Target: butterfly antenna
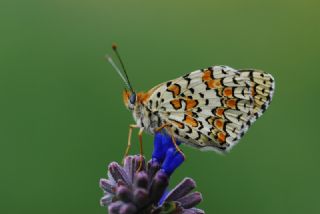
column 114, row 47
column 118, row 71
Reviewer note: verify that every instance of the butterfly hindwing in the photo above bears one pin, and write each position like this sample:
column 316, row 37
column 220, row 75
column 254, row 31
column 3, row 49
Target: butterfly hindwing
column 212, row 108
column 262, row 89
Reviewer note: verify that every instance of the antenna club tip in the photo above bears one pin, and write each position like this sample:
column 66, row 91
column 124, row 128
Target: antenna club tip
column 114, row 46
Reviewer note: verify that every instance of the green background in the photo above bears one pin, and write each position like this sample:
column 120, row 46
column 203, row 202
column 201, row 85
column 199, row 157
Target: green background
column 62, row 119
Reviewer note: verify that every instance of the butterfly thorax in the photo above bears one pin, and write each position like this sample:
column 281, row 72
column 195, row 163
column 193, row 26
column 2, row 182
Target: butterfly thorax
column 143, row 116
column 146, row 119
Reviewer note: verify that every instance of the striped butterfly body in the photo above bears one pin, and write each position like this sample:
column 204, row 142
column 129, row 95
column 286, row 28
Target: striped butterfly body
column 209, row 109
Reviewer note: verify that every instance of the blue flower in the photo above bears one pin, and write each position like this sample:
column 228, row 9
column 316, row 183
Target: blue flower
column 165, row 152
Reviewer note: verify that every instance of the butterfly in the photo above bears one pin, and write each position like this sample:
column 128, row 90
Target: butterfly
column 209, row 109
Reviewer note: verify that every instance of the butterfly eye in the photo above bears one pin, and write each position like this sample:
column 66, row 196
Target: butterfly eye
column 133, row 98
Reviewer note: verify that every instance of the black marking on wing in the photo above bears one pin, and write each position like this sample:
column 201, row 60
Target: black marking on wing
column 199, row 135
column 189, row 131
column 186, row 77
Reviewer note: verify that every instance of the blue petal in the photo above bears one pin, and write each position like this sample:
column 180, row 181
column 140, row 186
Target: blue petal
column 162, row 142
column 159, row 151
column 172, row 161
column 165, row 152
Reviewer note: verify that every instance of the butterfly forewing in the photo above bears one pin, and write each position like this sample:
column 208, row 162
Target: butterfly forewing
column 212, row 108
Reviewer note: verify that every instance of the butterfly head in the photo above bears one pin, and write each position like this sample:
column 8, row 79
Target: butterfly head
column 130, row 99
column 133, row 100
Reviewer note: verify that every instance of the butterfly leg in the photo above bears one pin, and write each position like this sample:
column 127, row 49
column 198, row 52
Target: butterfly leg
column 175, row 143
column 141, row 149
column 132, row 126
column 161, row 127
column 172, row 137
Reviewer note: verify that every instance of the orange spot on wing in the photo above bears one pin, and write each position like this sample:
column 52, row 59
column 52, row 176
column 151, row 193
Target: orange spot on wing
column 178, row 124
column 227, row 92
column 214, row 83
column 176, row 103
column 191, row 121
column 219, row 124
column 207, row 75
column 231, row 103
column 175, row 89
column 219, row 112
column 191, row 104
column 222, row 137
column 189, row 113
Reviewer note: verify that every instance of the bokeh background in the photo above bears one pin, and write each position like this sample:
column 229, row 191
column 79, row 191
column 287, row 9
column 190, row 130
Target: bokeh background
column 62, row 119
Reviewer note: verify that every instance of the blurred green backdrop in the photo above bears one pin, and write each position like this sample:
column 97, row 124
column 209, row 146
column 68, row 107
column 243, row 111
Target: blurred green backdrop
column 62, row 118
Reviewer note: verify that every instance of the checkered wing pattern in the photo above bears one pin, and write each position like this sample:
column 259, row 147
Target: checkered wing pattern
column 212, row 108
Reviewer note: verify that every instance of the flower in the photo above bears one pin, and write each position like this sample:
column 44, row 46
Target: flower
column 127, row 191
column 165, row 152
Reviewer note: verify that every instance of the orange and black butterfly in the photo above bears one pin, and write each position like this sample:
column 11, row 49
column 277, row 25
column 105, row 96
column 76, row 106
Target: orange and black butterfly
column 209, row 109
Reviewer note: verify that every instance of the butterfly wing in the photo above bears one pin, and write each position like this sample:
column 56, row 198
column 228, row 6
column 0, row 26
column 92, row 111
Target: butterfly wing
column 212, row 108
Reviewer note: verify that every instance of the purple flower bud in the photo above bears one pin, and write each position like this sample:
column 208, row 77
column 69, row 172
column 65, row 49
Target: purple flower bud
column 182, row 189
column 114, row 208
column 124, row 193
column 131, row 165
column 153, row 167
column 141, row 197
column 193, row 211
column 106, row 185
column 190, row 200
column 118, row 173
column 106, row 200
column 128, row 208
column 159, row 185
column 141, row 180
